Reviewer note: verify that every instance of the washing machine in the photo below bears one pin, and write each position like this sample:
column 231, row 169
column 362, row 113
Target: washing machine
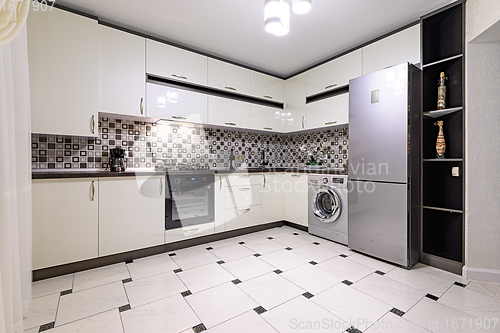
column 328, row 207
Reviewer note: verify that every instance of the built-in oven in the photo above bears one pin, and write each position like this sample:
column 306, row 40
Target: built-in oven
column 190, row 199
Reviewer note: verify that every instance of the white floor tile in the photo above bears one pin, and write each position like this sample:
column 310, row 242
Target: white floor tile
column 34, row 330
column 315, row 253
column 293, row 241
column 311, row 278
column 491, row 287
column 391, row 323
column 52, row 286
column 196, row 258
column 301, row 315
column 106, row 322
column 150, row 266
column 373, row 263
column 224, row 242
column 248, row 268
column 100, row 276
column 89, row 302
column 264, row 247
column 169, row 315
column 473, row 286
column 421, row 279
column 391, row 292
column 232, row 252
column 42, row 311
column 219, row 304
column 284, row 259
column 497, row 295
column 205, row 277
column 271, row 290
column 471, row 302
column 346, row 269
column 191, row 249
column 153, row 288
column 253, row 237
column 352, row 306
column 444, row 274
column 335, row 247
column 278, row 232
column 249, row 322
column 440, row 318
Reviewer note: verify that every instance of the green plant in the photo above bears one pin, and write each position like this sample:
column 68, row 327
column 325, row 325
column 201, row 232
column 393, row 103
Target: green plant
column 315, row 154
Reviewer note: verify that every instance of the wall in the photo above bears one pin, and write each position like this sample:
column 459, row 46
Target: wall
column 146, row 142
column 482, row 144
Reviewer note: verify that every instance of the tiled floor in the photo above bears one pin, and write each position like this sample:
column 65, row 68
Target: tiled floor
column 279, row 280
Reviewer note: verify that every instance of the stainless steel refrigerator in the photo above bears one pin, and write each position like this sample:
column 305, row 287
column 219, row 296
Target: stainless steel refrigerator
column 384, row 164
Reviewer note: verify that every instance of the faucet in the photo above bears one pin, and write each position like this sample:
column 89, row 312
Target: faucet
column 231, row 160
column 264, row 163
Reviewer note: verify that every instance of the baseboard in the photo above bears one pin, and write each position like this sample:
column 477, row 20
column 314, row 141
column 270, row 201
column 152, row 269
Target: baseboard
column 296, row 226
column 481, row 274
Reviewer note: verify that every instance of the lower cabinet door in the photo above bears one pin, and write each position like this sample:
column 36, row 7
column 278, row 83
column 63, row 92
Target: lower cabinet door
column 131, row 213
column 193, row 231
column 65, row 221
column 237, row 218
column 243, row 196
column 272, row 198
column 296, row 199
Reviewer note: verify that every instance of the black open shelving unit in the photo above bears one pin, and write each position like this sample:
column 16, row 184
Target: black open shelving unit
column 443, row 50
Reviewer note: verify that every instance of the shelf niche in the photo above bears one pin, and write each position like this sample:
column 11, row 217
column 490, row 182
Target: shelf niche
column 442, row 233
column 441, row 189
column 453, row 135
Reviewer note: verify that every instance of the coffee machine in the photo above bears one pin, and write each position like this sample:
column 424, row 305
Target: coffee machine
column 117, row 160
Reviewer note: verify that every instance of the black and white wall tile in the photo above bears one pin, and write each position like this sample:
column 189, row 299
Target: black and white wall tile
column 174, row 143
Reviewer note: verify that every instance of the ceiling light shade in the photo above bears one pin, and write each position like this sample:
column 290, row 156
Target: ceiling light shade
column 277, row 17
column 301, row 6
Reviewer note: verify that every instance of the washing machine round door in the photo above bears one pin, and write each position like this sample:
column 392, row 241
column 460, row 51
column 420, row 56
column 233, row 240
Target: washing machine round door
column 326, row 205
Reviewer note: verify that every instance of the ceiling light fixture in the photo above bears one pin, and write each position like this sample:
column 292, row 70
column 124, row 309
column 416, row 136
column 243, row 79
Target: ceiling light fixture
column 301, row 6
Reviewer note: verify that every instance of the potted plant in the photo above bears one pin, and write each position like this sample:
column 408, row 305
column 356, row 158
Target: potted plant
column 316, row 155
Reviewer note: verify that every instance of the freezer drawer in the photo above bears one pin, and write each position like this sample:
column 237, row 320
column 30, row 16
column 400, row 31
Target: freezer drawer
column 378, row 220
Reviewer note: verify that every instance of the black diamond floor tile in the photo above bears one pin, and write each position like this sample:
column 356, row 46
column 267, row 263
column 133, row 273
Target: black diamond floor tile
column 316, row 243
column 380, row 272
column 296, row 234
column 260, row 310
column 288, row 248
column 220, row 262
column 178, row 270
column 434, row 298
column 313, row 262
column 353, row 330
column 46, row 327
column 241, row 243
column 307, row 295
column 397, row 312
column 347, row 282
column 278, row 271
column 343, row 256
column 257, row 255
column 210, row 248
column 127, row 280
column 129, row 261
column 124, row 308
column 186, row 293
column 199, row 328
column 66, row 292
column 172, row 254
column 270, row 238
column 460, row 284
column 237, row 281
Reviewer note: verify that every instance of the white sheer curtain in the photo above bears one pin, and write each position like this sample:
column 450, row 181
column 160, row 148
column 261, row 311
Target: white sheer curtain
column 15, row 185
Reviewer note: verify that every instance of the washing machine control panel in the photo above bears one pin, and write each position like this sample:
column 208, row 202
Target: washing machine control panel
column 338, row 180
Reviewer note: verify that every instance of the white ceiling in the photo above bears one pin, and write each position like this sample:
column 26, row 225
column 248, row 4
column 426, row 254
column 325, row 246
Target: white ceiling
column 234, row 29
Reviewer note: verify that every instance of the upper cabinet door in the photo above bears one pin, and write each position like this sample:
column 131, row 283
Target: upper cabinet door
column 334, row 74
column 396, row 49
column 62, row 51
column 295, row 103
column 264, row 118
column 228, row 112
column 175, row 63
column 122, row 72
column 328, row 112
column 225, row 76
column 170, row 103
column 267, row 87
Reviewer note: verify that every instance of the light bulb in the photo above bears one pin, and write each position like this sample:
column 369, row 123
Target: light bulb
column 301, row 6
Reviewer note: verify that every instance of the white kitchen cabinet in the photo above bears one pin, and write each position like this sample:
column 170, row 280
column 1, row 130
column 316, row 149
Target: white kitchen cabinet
column 175, row 63
column 165, row 102
column 335, row 73
column 243, row 179
column 179, row 234
column 62, row 52
column 243, row 196
column 122, row 72
column 272, row 197
column 220, row 203
column 266, row 87
column 65, row 221
column 296, row 200
column 396, row 49
column 295, row 104
column 237, row 218
column 131, row 213
column 264, row 118
column 229, row 77
column 228, row 112
column 328, row 112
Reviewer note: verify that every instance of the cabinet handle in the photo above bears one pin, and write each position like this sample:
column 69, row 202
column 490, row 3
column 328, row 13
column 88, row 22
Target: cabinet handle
column 178, row 117
column 244, row 176
column 330, row 123
column 92, row 191
column 141, row 105
column 220, row 181
column 161, row 186
column 267, row 96
column 179, row 76
column 190, row 231
column 264, row 180
column 92, row 124
column 243, row 211
column 268, row 128
column 231, row 124
column 303, row 119
column 330, row 86
column 296, row 176
column 244, row 189
column 230, row 88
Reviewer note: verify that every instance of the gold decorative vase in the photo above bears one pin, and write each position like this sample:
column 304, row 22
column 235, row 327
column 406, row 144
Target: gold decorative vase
column 440, row 143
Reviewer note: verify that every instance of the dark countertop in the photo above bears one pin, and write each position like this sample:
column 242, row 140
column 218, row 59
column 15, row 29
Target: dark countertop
column 56, row 174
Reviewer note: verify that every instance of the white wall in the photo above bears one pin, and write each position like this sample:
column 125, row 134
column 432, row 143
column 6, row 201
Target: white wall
column 482, row 144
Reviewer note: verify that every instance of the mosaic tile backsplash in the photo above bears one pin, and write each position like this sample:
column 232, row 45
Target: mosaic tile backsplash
column 173, row 143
